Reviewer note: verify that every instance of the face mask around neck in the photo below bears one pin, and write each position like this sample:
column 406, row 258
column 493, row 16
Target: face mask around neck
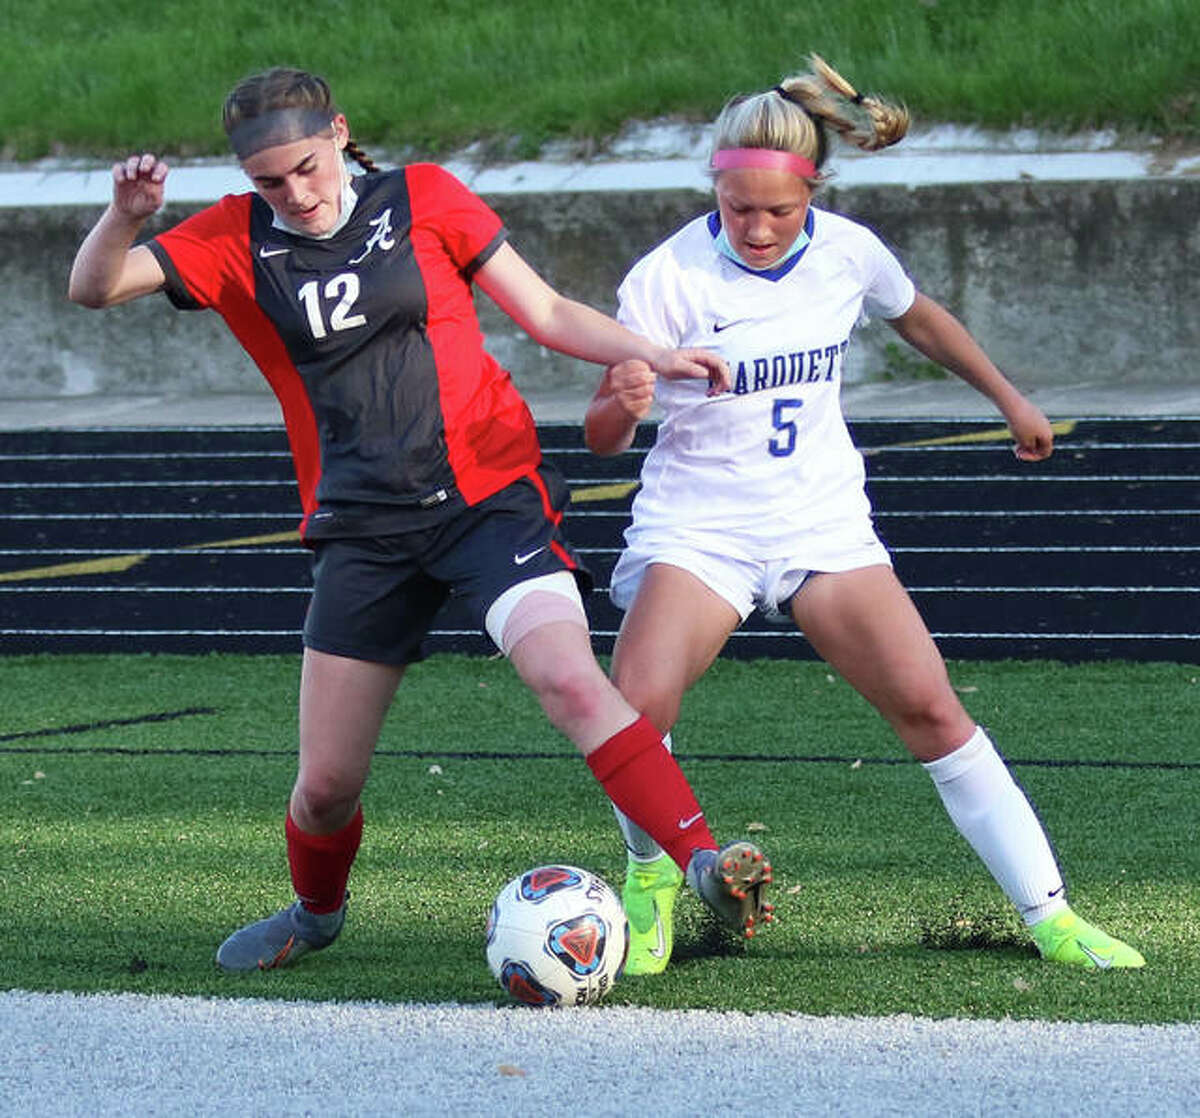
column 723, row 246
column 349, row 198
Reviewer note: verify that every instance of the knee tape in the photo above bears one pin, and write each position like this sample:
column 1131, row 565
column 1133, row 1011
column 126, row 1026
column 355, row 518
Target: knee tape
column 530, row 604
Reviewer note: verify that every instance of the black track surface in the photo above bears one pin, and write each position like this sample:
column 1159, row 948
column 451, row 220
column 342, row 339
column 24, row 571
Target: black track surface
column 1093, row 554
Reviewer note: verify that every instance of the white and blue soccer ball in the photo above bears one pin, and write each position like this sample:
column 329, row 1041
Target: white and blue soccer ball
column 557, row 936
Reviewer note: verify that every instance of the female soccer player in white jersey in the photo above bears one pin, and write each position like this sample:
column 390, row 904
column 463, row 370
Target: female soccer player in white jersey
column 756, row 497
column 418, row 464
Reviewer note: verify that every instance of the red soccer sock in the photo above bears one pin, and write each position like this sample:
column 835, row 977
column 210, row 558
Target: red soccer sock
column 645, row 782
column 320, row 864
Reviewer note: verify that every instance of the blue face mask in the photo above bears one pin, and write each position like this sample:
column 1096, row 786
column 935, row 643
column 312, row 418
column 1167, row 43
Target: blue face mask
column 726, row 249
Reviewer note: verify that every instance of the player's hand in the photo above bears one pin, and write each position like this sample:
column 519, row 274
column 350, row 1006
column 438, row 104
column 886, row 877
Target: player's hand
column 1032, row 431
column 138, row 185
column 631, row 385
column 695, row 364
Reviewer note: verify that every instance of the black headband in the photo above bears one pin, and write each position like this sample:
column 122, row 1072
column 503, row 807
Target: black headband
column 278, row 126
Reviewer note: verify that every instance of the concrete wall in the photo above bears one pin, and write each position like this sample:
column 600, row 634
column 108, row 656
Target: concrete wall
column 1081, row 284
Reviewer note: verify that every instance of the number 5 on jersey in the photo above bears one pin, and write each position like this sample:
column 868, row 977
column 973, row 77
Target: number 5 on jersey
column 783, row 419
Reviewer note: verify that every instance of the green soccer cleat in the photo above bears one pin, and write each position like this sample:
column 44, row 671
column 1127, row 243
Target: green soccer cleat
column 1065, row 938
column 279, row 940
column 649, row 900
column 733, row 883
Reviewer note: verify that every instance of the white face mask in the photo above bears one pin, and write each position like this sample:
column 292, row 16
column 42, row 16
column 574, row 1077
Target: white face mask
column 726, row 249
column 349, row 198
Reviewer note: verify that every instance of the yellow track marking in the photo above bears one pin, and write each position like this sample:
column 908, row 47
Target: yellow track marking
column 604, row 492
column 248, row 541
column 115, row 564
column 110, row 565
column 1062, row 427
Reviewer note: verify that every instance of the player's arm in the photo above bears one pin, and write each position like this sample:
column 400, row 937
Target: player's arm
column 108, row 268
column 573, row 328
column 930, row 328
column 621, row 401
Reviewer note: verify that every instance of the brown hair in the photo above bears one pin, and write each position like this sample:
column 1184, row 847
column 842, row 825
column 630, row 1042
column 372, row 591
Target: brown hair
column 282, row 87
column 795, row 115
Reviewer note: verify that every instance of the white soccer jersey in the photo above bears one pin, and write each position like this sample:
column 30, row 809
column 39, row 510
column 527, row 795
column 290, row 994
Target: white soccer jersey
column 767, row 471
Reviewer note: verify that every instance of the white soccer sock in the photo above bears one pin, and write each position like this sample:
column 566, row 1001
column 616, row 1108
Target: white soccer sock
column 641, row 847
column 995, row 817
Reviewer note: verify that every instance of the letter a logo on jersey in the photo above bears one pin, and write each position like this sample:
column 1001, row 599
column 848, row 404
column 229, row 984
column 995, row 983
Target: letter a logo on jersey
column 381, row 237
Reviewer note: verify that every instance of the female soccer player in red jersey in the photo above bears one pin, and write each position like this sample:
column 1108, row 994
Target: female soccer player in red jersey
column 418, row 464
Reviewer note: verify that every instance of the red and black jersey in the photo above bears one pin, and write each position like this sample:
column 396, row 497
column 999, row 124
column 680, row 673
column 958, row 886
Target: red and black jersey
column 395, row 413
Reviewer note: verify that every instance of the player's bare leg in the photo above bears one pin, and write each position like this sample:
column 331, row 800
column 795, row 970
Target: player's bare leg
column 669, row 638
column 343, row 703
column 342, row 706
column 864, row 624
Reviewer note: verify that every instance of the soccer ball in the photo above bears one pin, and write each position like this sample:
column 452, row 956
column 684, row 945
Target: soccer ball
column 557, row 935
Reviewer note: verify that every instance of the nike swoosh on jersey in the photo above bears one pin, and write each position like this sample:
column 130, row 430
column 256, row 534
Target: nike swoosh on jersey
column 719, row 326
column 521, row 560
column 264, row 252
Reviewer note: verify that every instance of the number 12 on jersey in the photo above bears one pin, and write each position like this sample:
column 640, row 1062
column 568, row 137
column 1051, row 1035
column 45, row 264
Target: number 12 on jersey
column 343, row 288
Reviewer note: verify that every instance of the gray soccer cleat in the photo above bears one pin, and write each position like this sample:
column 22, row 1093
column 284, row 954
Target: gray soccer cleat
column 733, row 882
column 280, row 940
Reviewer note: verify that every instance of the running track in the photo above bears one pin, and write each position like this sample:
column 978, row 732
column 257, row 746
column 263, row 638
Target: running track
column 182, row 539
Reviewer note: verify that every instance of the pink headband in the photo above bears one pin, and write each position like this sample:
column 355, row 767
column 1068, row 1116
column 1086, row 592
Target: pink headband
column 766, row 158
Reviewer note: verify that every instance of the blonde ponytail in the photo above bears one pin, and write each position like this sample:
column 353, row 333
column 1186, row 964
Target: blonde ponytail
column 795, row 115
column 866, row 121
